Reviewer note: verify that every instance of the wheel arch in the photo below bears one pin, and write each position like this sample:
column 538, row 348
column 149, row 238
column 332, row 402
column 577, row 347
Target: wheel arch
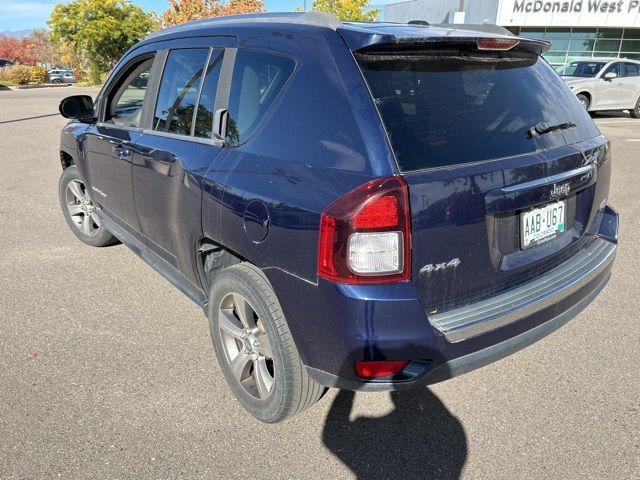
column 66, row 159
column 587, row 94
column 212, row 258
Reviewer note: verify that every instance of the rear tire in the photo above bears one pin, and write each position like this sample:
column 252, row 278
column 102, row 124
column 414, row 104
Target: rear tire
column 79, row 210
column 635, row 112
column 56, row 80
column 255, row 348
column 584, row 100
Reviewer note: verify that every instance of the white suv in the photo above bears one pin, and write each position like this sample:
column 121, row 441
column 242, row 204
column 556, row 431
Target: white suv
column 605, row 83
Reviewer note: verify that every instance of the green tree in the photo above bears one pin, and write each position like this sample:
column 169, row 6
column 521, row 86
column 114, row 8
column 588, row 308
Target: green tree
column 348, row 10
column 100, row 30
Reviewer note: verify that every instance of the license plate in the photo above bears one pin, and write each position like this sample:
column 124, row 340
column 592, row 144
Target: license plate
column 542, row 224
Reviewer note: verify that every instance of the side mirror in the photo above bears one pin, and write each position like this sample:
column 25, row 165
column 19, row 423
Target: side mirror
column 610, row 76
column 78, row 107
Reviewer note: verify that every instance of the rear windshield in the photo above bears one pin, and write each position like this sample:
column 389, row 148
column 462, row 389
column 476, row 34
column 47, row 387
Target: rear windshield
column 448, row 108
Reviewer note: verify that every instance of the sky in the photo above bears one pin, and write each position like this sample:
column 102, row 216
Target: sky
column 16, row 15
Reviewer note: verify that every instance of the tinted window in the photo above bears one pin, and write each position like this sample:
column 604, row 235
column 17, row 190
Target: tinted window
column 631, row 70
column 581, row 69
column 125, row 101
column 444, row 109
column 258, row 77
column 206, row 105
column 179, row 90
column 614, row 68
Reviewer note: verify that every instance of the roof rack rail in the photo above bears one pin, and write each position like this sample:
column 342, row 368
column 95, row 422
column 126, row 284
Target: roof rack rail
column 478, row 27
column 418, row 22
column 318, row 19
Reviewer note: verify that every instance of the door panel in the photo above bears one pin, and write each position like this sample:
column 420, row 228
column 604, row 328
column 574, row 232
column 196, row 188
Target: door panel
column 109, row 143
column 630, row 84
column 611, row 92
column 167, row 175
column 170, row 159
column 108, row 170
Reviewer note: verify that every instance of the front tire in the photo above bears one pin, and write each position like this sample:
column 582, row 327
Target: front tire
column 79, row 210
column 635, row 112
column 584, row 100
column 255, row 348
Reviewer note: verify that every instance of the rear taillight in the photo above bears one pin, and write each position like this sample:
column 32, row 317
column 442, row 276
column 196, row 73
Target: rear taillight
column 365, row 236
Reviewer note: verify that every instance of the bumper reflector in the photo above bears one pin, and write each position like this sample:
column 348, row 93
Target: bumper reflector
column 380, row 369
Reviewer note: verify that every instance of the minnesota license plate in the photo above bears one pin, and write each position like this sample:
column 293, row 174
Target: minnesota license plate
column 542, row 224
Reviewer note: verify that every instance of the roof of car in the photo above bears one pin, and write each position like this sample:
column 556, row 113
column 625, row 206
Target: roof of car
column 360, row 33
column 604, row 59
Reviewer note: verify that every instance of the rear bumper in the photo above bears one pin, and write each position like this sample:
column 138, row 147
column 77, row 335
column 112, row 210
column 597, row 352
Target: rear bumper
column 336, row 325
column 548, row 289
column 472, row 361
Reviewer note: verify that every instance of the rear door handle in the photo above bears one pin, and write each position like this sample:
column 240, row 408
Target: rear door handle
column 121, row 151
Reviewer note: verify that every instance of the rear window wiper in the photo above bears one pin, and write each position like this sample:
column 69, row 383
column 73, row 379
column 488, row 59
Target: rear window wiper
column 543, row 127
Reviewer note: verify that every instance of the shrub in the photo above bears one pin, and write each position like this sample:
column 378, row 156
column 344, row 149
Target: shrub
column 39, row 75
column 23, row 75
column 4, row 76
column 20, row 74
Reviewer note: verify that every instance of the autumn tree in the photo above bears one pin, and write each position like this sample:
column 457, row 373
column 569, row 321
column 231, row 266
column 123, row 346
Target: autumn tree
column 29, row 50
column 181, row 11
column 237, row 7
column 348, row 10
column 100, row 30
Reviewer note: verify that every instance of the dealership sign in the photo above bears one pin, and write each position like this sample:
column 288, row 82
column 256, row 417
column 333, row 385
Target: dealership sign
column 572, row 13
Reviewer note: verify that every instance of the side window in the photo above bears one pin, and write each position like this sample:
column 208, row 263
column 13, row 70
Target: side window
column 258, row 77
column 631, row 70
column 204, row 116
column 124, row 103
column 179, row 88
column 615, row 68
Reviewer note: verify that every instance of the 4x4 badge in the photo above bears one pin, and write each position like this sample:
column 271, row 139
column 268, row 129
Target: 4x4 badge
column 453, row 263
column 560, row 190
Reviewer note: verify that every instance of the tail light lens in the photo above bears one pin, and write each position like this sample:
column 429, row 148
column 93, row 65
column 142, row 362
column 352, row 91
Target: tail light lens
column 365, row 236
column 497, row 43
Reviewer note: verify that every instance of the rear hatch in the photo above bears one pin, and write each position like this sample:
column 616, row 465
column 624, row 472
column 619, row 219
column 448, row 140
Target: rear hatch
column 505, row 169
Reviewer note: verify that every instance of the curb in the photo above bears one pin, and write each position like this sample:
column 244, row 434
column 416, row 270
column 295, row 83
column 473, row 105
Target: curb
column 29, row 87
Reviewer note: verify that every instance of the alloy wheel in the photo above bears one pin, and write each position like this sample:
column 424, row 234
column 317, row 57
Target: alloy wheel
column 81, row 208
column 246, row 346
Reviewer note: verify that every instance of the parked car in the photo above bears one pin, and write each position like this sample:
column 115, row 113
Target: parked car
column 62, row 76
column 363, row 206
column 5, row 63
column 605, row 83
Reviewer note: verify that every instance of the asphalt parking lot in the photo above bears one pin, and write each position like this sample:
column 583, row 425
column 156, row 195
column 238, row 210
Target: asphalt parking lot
column 124, row 383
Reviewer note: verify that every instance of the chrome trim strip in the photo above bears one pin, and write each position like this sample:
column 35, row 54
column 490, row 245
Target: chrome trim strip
column 480, row 317
column 560, row 177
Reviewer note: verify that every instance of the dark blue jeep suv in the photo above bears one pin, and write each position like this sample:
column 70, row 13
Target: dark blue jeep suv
column 367, row 206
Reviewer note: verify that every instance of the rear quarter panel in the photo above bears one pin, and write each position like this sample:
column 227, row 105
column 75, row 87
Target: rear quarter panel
column 320, row 139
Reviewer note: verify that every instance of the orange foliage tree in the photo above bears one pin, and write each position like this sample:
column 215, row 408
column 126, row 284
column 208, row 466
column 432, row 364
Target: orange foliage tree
column 27, row 50
column 181, row 11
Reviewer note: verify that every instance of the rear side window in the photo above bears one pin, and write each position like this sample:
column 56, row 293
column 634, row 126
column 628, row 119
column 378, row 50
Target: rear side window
column 257, row 79
column 204, row 117
column 631, row 70
column 447, row 108
column 178, row 95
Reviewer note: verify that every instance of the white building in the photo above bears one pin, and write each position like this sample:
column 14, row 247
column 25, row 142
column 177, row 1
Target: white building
column 575, row 28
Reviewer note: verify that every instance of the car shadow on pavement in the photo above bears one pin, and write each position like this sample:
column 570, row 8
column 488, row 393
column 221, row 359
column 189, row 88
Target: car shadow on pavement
column 419, row 438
